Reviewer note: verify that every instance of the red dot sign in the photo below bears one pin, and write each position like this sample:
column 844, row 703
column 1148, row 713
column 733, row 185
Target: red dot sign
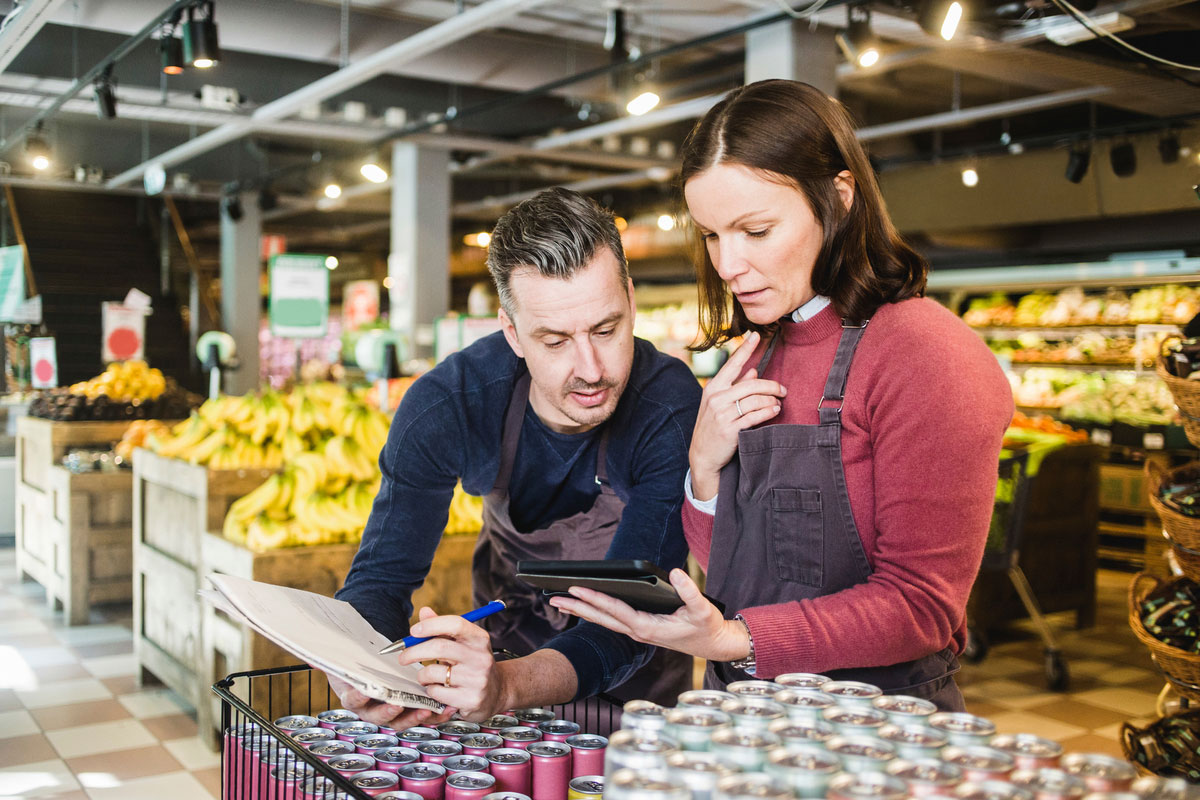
column 43, row 370
column 123, row 342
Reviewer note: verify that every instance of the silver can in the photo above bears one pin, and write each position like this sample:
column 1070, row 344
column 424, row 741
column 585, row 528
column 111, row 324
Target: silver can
column 1101, row 773
column 461, row 763
column 855, row 720
column 754, row 785
column 754, row 688
column 375, row 781
column 904, row 710
column 925, row 776
column 803, row 705
column 417, row 734
column 991, row 790
column 1152, row 788
column 852, row 693
column 532, row 717
column 693, row 727
column 400, row 794
column 703, row 698
column 754, row 713
column 456, row 729
column 629, row 749
column 862, row 753
column 643, row 715
column 745, row 749
column 962, row 729
column 802, row 733
column 631, row 784
column 980, row 763
column 506, row 796
column 806, row 770
column 914, row 741
column 801, row 680
column 1112, row 796
column 1049, row 784
column 1028, row 751
column 294, row 722
column 874, row 785
column 699, row 772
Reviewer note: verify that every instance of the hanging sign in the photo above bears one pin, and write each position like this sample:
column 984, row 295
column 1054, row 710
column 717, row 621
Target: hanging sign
column 360, row 304
column 12, row 280
column 299, row 296
column 124, row 333
column 44, row 358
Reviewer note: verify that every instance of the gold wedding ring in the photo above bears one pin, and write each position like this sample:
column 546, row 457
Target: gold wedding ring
column 446, row 682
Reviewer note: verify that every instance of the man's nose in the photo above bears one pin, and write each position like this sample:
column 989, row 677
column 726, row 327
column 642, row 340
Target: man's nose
column 587, row 366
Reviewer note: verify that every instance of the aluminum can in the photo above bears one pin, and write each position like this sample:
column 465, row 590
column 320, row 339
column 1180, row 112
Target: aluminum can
column 512, row 769
column 285, row 779
column 755, row 688
column 963, row 730
column 862, row 753
column 327, row 750
column 991, row 790
column 399, row 794
column 914, row 741
column 1028, row 751
column 875, row 785
column 630, row 784
column 587, row 754
column 745, row 749
column 855, row 720
column 238, row 775
column 375, row 782
column 693, row 727
column 411, row 736
column 477, row 744
column 390, row 731
column 551, row 769
column 507, row 796
column 293, row 722
column 1101, row 773
column 1112, row 796
column 371, row 743
column 469, row 786
column 642, row 715
column 802, row 733
column 753, row 713
column 1049, row 784
column 497, row 723
column 393, row 758
column 455, row 729
column 465, row 763
column 1152, row 788
column 318, row 787
column 806, row 770
column 585, row 787
column 703, row 698
column 751, row 785
column 251, row 772
column 925, row 777
column 904, row 710
column 351, row 764
column 335, row 716
column 698, row 771
column 520, row 736
column 803, row 705
column 532, row 717
column 349, row 731
column 427, row 780
column 310, row 735
column 980, row 763
column 801, row 680
column 852, row 693
column 639, row 751
column 559, row 730
column 438, row 751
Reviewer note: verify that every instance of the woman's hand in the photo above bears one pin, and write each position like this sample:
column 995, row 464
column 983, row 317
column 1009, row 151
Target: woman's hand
column 697, row 628
column 462, row 671
column 731, row 403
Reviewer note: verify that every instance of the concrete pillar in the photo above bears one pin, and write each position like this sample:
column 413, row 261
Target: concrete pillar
column 241, row 303
column 790, row 50
column 419, row 262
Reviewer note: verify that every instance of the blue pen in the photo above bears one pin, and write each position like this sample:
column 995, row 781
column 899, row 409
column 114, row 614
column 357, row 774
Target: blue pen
column 470, row 616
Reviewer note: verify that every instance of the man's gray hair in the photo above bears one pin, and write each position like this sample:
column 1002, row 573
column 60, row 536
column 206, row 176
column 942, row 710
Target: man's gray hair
column 556, row 232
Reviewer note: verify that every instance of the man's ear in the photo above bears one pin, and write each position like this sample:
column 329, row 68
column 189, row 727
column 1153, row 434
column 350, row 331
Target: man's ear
column 510, row 332
column 844, row 183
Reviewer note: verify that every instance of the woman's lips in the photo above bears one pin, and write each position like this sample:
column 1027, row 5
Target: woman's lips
column 749, row 297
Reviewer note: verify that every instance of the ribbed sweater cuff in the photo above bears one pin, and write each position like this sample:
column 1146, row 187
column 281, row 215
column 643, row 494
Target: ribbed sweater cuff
column 782, row 640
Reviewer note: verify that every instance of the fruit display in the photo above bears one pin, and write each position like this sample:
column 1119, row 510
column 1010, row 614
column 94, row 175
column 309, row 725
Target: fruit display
column 1181, row 358
column 1043, row 423
column 1169, row 614
column 136, row 436
column 1097, row 398
column 125, row 390
column 1170, row 304
column 1182, row 493
column 124, row 380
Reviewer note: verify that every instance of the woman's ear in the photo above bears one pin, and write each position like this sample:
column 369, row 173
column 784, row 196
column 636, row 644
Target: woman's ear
column 844, row 183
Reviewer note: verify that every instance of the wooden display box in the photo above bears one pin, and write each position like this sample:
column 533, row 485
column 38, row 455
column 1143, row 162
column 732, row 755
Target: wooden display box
column 72, row 530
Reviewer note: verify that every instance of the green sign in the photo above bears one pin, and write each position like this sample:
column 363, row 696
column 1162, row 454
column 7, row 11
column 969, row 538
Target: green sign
column 299, row 296
column 12, row 280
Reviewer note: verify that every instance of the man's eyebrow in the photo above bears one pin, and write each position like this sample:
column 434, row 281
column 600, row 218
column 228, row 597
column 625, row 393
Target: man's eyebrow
column 542, row 330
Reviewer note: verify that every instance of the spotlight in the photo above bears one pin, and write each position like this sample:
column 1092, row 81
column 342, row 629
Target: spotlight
column 481, row 239
column 331, row 263
column 200, row 46
column 1123, row 159
column 104, row 91
column 621, row 224
column 940, row 18
column 642, row 103
column 857, row 42
column 666, row 222
column 1168, row 147
column 232, row 206
column 333, row 190
column 267, row 200
column 1077, row 163
column 970, row 177
column 170, row 48
column 372, row 171
column 37, row 150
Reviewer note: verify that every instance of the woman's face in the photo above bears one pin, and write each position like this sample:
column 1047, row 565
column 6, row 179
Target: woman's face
column 761, row 235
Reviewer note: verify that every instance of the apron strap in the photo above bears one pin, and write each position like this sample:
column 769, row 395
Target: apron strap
column 602, row 459
column 766, row 356
column 830, row 406
column 514, row 419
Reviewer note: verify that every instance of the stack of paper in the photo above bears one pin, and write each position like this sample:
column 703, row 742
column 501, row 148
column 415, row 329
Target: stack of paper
column 325, row 633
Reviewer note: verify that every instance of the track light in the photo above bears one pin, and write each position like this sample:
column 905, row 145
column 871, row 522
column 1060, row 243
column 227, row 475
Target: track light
column 1123, row 159
column 232, row 206
column 857, row 42
column 372, row 171
column 666, row 222
column 940, row 17
column 970, row 177
column 104, row 91
column 267, row 200
column 642, row 103
column 170, row 49
column 200, row 46
column 37, row 150
column 333, row 190
column 1168, row 147
column 1077, row 162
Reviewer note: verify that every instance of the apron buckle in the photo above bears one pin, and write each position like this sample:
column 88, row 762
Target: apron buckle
column 839, row 400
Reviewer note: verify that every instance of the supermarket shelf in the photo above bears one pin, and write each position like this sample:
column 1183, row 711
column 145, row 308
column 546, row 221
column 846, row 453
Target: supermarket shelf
column 1117, row 272
column 1050, row 331
column 1078, row 366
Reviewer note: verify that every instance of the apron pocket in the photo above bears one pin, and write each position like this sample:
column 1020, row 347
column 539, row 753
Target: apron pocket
column 797, row 540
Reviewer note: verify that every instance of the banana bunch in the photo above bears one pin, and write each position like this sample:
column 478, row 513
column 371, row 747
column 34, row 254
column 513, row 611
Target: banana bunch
column 125, row 381
column 466, row 513
column 346, row 458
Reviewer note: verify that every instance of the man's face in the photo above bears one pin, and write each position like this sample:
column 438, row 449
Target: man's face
column 576, row 337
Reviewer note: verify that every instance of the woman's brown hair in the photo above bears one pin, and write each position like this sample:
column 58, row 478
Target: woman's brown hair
column 801, row 136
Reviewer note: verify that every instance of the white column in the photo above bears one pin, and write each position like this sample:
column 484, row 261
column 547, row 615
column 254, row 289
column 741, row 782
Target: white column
column 419, row 262
column 790, row 50
column 241, row 300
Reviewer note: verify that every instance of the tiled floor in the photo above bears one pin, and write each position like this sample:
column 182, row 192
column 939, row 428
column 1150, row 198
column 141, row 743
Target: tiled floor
column 75, row 724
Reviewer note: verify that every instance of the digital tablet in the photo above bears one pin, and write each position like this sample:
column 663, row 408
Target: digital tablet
column 641, row 584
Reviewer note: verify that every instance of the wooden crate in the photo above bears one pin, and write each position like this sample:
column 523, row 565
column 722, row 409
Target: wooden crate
column 41, row 444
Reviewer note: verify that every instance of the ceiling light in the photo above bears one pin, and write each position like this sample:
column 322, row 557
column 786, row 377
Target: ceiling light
column 1077, row 163
column 200, row 46
column 372, row 171
column 387, row 282
column 642, row 103
column 481, row 239
column 857, row 43
column 331, row 262
column 232, row 206
column 170, row 48
column 666, row 222
column 104, row 91
column 1123, row 159
column 37, row 150
column 970, row 177
column 621, row 223
column 333, row 190
column 940, row 18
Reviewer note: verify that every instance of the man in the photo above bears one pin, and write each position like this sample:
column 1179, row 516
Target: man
column 575, row 433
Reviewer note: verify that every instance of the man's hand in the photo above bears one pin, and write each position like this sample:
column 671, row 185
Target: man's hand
column 463, row 674
column 380, row 713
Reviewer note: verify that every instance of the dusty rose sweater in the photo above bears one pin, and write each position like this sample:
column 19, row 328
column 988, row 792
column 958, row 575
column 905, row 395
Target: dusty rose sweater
column 925, row 411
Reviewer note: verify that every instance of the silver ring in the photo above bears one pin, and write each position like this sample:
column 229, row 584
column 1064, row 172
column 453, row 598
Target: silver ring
column 446, row 682
column 738, row 403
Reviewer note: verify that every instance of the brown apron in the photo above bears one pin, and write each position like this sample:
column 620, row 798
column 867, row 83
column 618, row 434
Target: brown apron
column 784, row 512
column 529, row 621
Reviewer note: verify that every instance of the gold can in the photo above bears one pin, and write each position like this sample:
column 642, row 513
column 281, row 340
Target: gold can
column 585, row 787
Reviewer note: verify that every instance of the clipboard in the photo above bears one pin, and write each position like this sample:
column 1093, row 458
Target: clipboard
column 640, row 583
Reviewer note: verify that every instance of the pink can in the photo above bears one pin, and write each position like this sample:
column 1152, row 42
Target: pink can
column 375, row 781
column 427, row 780
column 455, row 730
column 294, row 722
column 411, row 737
column 317, row 787
column 285, row 780
column 307, row 736
column 478, row 744
column 532, row 717
column 551, row 769
column 1101, row 773
column 559, row 730
column 351, row 764
column 587, row 754
column 464, row 763
column 469, row 786
column 393, row 758
column 498, row 722
column 980, row 763
column 330, row 749
column 1029, row 751
column 512, row 768
column 439, row 751
column 237, row 761
column 399, row 794
column 253, row 769
column 335, row 716
column 520, row 737
column 349, row 731
column 371, row 743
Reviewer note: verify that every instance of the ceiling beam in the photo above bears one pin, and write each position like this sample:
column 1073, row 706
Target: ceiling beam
column 21, row 25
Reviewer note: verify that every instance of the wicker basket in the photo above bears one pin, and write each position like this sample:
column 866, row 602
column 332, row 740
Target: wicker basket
column 1181, row 529
column 1181, row 668
column 1187, row 396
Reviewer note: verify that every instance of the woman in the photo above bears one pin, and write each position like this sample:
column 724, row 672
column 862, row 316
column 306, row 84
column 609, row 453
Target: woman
column 843, row 464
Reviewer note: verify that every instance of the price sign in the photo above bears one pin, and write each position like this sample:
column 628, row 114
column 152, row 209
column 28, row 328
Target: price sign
column 299, row 304
column 44, row 359
column 12, row 280
column 124, row 333
column 360, row 304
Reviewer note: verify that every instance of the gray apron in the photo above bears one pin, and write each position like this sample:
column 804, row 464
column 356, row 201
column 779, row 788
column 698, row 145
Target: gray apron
column 529, row 621
column 784, row 515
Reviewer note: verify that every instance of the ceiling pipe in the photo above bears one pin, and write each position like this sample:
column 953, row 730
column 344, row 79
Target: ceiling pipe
column 493, row 205
column 435, row 37
column 21, row 25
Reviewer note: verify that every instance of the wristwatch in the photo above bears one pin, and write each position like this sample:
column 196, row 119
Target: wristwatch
column 748, row 663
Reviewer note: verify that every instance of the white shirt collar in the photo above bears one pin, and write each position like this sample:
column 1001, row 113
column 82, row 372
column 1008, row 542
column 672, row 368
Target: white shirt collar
column 810, row 309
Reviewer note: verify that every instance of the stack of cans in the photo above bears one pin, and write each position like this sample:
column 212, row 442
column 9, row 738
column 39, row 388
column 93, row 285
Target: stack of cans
column 805, row 736
column 518, row 756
